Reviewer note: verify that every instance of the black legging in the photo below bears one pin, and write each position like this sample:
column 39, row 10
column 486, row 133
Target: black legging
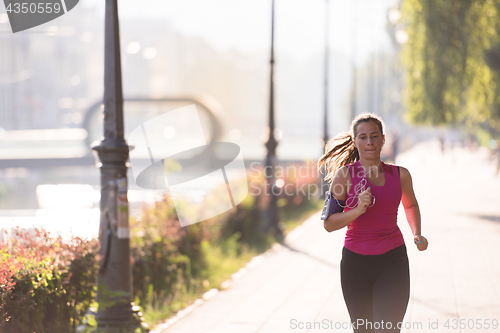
column 376, row 289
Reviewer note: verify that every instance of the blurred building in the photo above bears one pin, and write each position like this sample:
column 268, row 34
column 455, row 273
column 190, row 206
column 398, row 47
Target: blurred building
column 50, row 76
column 45, row 79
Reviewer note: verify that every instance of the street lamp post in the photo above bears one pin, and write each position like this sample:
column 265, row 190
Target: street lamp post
column 327, row 51
column 116, row 312
column 353, row 61
column 271, row 215
column 324, row 187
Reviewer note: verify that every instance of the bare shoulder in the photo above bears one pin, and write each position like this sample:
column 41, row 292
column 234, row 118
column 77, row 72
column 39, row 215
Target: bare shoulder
column 405, row 174
column 405, row 177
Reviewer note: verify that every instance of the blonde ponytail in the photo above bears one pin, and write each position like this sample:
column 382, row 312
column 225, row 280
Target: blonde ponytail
column 342, row 152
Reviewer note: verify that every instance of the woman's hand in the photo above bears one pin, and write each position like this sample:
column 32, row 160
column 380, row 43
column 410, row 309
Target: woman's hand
column 364, row 200
column 421, row 242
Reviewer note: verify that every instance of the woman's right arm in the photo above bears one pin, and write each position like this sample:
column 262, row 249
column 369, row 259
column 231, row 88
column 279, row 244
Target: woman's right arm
column 338, row 188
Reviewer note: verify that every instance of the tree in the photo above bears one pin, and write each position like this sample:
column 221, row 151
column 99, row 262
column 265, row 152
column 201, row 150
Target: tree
column 451, row 46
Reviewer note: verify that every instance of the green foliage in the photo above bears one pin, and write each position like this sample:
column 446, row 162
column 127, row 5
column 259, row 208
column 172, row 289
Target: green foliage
column 173, row 265
column 448, row 80
column 166, row 257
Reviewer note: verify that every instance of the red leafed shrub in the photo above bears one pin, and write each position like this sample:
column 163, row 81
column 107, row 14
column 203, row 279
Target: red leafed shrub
column 46, row 283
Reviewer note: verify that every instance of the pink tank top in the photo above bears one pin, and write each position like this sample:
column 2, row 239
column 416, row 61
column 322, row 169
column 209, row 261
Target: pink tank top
column 376, row 231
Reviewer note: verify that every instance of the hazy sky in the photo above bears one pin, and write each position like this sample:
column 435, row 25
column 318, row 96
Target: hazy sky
column 245, row 24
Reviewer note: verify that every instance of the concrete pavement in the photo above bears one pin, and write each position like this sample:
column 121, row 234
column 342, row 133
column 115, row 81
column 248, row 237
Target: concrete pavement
column 296, row 287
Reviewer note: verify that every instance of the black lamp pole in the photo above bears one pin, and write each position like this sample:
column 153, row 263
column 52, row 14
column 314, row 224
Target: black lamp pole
column 116, row 312
column 327, row 51
column 325, row 186
column 353, row 60
column 271, row 215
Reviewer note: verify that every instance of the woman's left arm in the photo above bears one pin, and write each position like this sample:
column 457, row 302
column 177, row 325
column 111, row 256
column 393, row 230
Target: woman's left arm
column 412, row 211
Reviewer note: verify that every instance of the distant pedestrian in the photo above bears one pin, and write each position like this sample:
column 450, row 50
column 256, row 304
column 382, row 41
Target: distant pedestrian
column 442, row 144
column 365, row 196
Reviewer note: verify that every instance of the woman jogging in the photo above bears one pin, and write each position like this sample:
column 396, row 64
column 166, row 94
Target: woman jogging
column 365, row 194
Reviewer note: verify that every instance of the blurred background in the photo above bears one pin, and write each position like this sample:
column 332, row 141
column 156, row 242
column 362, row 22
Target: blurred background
column 217, row 54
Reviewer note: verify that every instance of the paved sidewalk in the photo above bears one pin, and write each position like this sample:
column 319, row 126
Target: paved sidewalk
column 457, row 278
